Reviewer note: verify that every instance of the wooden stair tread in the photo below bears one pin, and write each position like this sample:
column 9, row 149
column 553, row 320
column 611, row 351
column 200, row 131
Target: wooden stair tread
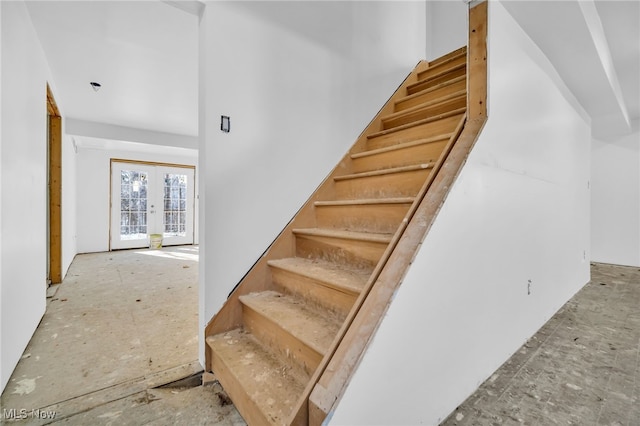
column 434, row 76
column 426, row 105
column 444, row 61
column 347, row 235
column 366, row 202
column 385, row 171
column 314, row 328
column 399, row 146
column 336, row 276
column 417, row 123
column 448, row 57
column 431, row 89
column 270, row 384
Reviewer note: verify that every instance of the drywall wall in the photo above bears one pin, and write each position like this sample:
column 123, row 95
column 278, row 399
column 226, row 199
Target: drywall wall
column 69, row 206
column 3, row 381
column 446, row 27
column 107, row 131
column 300, row 81
column 24, row 184
column 509, row 247
column 94, row 170
column 615, row 200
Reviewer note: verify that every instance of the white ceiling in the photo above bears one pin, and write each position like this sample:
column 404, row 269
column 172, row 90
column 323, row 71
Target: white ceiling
column 595, row 47
column 145, row 55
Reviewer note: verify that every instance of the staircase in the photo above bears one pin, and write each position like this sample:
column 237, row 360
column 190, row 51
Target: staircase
column 273, row 339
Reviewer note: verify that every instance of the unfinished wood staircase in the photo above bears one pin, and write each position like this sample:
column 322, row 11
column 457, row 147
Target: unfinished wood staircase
column 286, row 322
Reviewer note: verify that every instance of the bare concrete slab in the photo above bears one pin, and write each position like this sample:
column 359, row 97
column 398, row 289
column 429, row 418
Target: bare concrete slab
column 121, row 323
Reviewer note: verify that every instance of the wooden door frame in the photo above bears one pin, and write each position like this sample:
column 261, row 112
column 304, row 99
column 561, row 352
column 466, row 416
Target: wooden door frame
column 55, row 189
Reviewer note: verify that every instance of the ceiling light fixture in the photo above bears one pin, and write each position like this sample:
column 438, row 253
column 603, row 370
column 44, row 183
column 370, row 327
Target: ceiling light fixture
column 95, row 86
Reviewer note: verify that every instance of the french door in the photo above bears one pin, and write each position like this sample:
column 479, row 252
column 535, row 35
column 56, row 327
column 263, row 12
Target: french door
column 151, row 199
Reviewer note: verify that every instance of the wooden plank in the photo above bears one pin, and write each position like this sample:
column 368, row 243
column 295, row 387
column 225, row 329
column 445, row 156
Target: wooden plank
column 55, row 199
column 118, row 391
column 477, row 77
column 444, row 123
column 322, row 283
column 374, row 216
column 300, row 334
column 404, row 183
column 459, row 51
column 410, row 153
column 237, row 359
column 152, row 163
column 440, row 67
column 437, row 79
column 443, row 89
column 428, row 109
column 352, row 249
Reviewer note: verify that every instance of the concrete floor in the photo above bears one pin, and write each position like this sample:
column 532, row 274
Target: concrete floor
column 120, row 325
column 581, row 368
column 124, row 323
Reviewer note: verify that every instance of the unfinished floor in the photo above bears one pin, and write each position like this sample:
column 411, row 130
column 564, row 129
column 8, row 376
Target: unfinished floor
column 124, row 323
column 581, row 368
column 121, row 325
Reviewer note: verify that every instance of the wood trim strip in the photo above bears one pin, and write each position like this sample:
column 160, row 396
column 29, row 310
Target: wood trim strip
column 366, row 201
column 152, row 163
column 55, row 198
column 383, row 172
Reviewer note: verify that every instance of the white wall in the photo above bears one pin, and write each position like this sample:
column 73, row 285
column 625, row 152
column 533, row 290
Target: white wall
column 447, row 27
column 615, row 200
column 93, row 172
column 300, row 81
column 23, row 250
column 69, row 207
column 518, row 212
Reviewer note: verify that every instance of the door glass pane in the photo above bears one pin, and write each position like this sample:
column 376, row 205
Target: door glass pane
column 175, row 202
column 133, row 204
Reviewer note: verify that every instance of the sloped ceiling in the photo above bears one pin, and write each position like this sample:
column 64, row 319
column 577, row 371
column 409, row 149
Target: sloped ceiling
column 595, row 47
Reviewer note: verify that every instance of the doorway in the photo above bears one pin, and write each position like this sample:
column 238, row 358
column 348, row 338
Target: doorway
column 151, row 198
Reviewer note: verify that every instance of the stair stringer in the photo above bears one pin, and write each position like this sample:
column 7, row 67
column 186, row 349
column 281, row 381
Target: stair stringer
column 373, row 303
column 258, row 277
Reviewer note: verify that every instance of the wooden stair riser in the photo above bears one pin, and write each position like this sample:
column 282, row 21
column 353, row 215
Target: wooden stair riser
column 235, row 389
column 411, row 116
column 351, row 253
column 421, row 131
column 404, row 184
column 317, row 292
column 261, row 388
column 382, row 218
column 291, row 349
column 415, row 154
column 435, row 69
column 434, row 81
column 447, row 57
column 444, row 89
